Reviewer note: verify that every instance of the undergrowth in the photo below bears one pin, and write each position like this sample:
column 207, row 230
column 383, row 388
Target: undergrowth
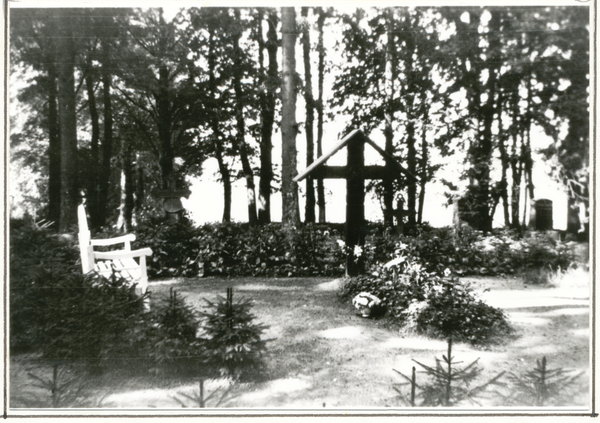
column 272, row 250
column 435, row 305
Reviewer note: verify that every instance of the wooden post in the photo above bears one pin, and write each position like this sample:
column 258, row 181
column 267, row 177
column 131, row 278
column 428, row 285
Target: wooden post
column 413, row 384
column 355, row 205
column 202, row 405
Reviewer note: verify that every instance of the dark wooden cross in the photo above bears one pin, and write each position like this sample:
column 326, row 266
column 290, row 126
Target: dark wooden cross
column 355, row 172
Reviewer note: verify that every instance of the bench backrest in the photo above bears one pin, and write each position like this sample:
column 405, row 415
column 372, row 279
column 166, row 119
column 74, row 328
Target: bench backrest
column 85, row 238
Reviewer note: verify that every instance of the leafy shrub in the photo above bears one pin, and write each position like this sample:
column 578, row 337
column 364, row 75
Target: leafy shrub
column 396, row 293
column 468, row 251
column 438, row 306
column 174, row 247
column 239, row 249
column 269, row 250
column 542, row 251
column 453, row 311
column 232, row 342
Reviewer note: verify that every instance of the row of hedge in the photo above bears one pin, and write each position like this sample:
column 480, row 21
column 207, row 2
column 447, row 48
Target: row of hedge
column 238, row 249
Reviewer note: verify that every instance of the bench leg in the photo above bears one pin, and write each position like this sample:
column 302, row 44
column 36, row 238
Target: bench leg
column 141, row 290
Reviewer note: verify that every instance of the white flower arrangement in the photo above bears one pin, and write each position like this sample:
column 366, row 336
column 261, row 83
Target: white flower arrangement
column 365, row 302
column 358, row 251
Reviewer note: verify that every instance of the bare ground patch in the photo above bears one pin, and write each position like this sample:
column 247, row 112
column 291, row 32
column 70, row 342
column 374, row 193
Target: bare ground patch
column 322, row 354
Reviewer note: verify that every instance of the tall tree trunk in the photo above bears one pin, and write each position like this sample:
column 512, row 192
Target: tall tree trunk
column 139, row 187
column 411, row 159
column 289, row 127
column 164, row 129
column 525, row 203
column 516, row 168
column 504, row 162
column 214, row 122
column 528, row 160
column 225, row 178
column 107, row 142
column 320, row 113
column 68, row 128
column 470, row 70
column 517, row 177
column 528, row 172
column 54, row 145
column 92, row 197
column 411, row 164
column 309, row 215
column 240, row 125
column 424, row 174
column 266, row 99
column 390, row 76
column 526, row 155
column 575, row 147
column 483, row 150
column 164, row 117
column 483, row 163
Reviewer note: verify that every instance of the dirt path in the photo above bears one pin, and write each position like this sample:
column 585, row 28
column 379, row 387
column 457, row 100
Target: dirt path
column 323, row 355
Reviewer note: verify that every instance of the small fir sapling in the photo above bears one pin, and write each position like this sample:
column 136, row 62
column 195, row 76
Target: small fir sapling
column 173, row 335
column 199, row 400
column 538, row 386
column 449, row 385
column 231, row 340
column 64, row 387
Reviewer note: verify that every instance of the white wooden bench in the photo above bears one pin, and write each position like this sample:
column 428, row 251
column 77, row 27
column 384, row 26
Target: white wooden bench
column 128, row 263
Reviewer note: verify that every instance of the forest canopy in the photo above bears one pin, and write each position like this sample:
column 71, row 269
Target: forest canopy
column 113, row 105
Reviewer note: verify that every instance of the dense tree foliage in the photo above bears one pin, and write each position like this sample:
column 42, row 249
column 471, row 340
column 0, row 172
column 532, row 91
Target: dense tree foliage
column 125, row 102
column 386, row 83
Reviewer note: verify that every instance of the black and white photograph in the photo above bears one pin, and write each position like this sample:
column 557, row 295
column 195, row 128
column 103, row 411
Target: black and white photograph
column 237, row 209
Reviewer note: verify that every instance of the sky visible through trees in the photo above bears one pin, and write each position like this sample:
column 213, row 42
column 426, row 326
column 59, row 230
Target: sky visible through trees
column 489, row 103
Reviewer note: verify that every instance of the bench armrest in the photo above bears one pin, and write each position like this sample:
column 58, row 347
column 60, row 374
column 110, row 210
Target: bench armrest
column 112, row 241
column 112, row 255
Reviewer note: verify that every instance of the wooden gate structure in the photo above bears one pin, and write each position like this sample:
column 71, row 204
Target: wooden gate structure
column 355, row 172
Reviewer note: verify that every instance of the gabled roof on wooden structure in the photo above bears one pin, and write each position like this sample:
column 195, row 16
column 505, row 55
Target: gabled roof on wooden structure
column 354, row 136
